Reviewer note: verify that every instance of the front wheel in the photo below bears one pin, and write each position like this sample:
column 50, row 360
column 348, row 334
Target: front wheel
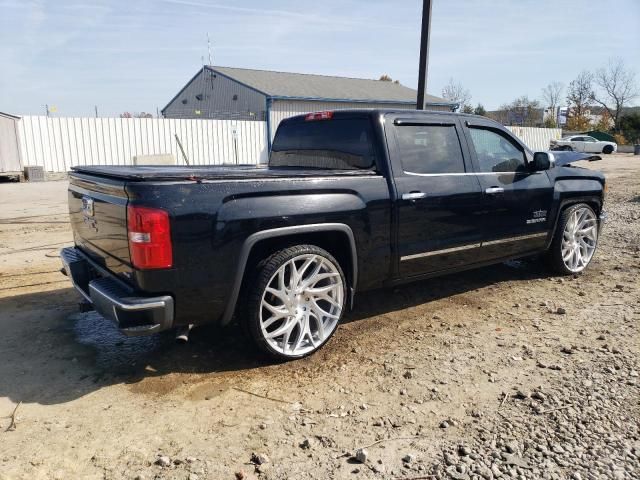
column 608, row 149
column 567, row 148
column 295, row 301
column 575, row 239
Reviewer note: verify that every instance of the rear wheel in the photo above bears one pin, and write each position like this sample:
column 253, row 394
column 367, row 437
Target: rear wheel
column 575, row 240
column 295, row 302
column 607, row 149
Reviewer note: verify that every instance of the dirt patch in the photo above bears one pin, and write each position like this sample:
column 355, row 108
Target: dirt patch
column 473, row 375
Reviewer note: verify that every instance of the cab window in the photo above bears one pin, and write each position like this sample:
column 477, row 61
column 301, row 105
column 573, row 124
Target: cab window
column 343, row 144
column 496, row 152
column 433, row 149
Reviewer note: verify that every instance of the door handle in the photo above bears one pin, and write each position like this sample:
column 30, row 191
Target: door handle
column 413, row 195
column 494, row 190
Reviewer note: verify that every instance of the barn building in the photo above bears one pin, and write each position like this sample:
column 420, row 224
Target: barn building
column 225, row 93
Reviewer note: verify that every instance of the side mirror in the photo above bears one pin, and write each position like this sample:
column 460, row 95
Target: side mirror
column 542, row 161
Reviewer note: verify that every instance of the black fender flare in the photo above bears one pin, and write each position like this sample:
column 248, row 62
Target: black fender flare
column 565, row 203
column 254, row 238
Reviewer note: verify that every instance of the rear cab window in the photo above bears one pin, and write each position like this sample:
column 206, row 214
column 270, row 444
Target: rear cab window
column 328, row 143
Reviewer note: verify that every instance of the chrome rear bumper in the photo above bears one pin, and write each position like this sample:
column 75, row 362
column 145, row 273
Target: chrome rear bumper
column 135, row 314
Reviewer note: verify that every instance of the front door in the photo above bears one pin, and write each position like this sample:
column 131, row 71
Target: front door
column 590, row 145
column 438, row 197
column 517, row 201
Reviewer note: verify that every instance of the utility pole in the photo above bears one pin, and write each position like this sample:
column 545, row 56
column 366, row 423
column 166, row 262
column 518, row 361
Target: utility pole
column 424, row 53
column 46, row 109
column 96, row 109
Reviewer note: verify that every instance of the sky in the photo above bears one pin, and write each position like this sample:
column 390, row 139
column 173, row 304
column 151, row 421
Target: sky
column 135, row 55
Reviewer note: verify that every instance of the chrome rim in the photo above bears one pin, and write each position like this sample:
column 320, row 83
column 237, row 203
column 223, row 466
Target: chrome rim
column 579, row 239
column 302, row 304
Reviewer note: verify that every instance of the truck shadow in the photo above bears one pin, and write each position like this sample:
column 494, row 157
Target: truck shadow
column 51, row 354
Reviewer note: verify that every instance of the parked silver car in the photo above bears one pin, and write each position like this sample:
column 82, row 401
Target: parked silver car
column 584, row 143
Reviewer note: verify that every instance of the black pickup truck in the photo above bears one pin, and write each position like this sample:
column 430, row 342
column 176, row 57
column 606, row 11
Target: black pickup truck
column 351, row 200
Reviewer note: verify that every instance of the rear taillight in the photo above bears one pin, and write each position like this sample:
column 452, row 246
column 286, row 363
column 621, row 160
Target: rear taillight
column 319, row 116
column 149, row 237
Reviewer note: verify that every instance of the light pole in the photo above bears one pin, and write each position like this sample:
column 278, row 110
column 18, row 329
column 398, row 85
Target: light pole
column 424, row 53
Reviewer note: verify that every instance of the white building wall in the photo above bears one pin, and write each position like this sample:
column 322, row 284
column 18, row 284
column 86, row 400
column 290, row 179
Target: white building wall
column 281, row 109
column 57, row 144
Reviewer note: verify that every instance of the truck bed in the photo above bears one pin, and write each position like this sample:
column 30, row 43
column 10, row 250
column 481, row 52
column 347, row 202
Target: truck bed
column 207, row 172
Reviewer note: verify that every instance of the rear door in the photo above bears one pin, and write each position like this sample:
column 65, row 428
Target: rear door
column 577, row 143
column 438, row 200
column 517, row 201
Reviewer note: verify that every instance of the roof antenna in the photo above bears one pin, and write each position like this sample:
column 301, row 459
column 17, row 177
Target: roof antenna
column 209, row 48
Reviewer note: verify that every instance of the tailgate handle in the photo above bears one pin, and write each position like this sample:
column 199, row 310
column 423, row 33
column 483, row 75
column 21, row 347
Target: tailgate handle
column 413, row 195
column 494, row 190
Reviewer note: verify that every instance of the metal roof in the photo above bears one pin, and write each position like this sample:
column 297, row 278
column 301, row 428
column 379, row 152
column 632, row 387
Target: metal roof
column 322, row 87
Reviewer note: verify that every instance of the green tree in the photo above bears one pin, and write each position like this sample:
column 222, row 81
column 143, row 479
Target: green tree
column 467, row 109
column 550, row 122
column 480, row 110
column 630, row 127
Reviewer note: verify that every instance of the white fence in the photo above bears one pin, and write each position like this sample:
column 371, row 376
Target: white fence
column 537, row 139
column 57, row 144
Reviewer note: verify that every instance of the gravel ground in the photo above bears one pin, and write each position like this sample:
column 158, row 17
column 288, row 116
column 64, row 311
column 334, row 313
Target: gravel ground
column 501, row 372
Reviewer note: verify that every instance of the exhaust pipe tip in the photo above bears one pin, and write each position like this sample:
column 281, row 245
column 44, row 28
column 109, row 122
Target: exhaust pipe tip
column 182, row 335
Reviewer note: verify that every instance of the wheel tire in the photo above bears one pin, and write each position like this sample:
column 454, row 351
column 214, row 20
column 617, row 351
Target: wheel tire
column 566, row 239
column 608, row 149
column 567, row 148
column 296, row 306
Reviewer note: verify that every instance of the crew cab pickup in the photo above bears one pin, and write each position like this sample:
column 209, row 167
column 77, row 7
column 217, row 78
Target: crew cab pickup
column 351, row 200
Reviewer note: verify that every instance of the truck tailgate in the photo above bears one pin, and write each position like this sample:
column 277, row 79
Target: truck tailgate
column 98, row 211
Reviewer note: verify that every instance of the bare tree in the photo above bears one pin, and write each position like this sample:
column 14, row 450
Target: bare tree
column 617, row 87
column 580, row 95
column 456, row 93
column 522, row 111
column 136, row 115
column 551, row 95
column 387, row 78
